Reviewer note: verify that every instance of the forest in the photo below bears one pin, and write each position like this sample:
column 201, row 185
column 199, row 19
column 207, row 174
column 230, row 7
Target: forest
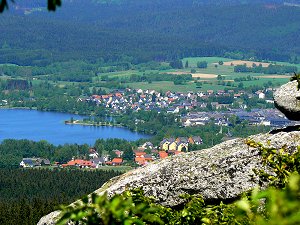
column 149, row 30
column 38, row 192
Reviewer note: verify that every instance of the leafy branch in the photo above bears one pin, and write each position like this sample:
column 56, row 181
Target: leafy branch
column 297, row 78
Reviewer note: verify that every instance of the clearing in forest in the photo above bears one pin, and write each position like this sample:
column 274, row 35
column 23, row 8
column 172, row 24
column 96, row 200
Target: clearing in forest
column 248, row 63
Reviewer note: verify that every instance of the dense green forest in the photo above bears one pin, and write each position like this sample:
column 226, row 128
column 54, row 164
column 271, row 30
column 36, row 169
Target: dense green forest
column 37, row 192
column 149, row 30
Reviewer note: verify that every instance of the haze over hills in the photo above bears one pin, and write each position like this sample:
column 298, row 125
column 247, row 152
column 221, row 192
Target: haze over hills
column 148, row 30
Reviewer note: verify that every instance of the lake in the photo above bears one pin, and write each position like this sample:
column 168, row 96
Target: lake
column 36, row 125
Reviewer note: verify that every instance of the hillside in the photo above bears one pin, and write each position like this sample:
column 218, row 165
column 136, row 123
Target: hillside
column 147, row 30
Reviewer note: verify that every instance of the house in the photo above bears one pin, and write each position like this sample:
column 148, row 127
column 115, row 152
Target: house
column 148, row 157
column 144, row 159
column 173, row 146
column 32, row 162
column 79, row 163
column 148, row 145
column 164, row 145
column 118, row 152
column 162, row 154
column 115, row 162
column 261, row 95
column 182, row 146
column 195, row 140
column 182, row 139
column 93, row 153
column 43, row 162
column 98, row 162
column 140, row 160
column 139, row 153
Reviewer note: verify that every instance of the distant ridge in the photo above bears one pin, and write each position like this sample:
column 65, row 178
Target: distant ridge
column 148, row 30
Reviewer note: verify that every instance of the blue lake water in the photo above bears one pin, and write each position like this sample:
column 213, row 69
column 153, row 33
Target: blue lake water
column 49, row 126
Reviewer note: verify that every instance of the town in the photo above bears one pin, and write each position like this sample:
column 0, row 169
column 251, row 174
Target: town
column 141, row 156
column 221, row 107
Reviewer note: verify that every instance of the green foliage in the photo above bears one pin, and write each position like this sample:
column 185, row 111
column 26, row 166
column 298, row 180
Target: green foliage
column 52, row 4
column 297, row 78
column 3, row 5
column 202, row 64
column 272, row 206
column 176, row 64
column 128, row 208
column 271, row 69
column 282, row 163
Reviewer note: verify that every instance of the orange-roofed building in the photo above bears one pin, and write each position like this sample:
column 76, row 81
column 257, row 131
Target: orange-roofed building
column 140, row 160
column 116, row 162
column 162, row 154
column 79, row 163
column 104, row 96
column 144, row 159
column 96, row 96
column 118, row 95
column 140, row 154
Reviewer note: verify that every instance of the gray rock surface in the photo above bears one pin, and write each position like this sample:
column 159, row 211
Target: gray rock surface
column 287, row 100
column 222, row 172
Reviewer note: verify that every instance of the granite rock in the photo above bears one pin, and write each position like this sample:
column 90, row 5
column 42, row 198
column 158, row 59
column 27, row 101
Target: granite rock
column 222, row 172
column 287, row 100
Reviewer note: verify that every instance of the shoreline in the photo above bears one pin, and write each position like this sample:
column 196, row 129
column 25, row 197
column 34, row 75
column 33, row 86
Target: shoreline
column 77, row 122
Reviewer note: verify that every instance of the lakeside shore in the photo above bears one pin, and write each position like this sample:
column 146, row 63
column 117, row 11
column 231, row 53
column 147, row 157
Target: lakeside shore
column 100, row 124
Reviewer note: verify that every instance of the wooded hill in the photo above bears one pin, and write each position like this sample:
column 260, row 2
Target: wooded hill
column 147, row 30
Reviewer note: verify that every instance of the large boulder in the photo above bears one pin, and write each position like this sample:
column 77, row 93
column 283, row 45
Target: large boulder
column 222, row 172
column 287, row 100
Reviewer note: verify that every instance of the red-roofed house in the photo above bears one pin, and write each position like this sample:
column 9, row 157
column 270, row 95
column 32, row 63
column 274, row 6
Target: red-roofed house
column 115, row 162
column 140, row 154
column 79, row 163
column 162, row 154
column 118, row 95
column 140, row 160
column 143, row 159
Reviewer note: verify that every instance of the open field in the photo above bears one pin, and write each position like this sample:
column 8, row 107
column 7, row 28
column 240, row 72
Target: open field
column 115, row 168
column 170, row 86
column 193, row 60
column 207, row 76
column 247, row 63
column 204, row 75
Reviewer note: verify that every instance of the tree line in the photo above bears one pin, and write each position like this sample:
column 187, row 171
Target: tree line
column 271, row 69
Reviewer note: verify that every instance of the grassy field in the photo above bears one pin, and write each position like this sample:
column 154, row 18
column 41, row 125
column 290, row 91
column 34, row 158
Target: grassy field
column 115, row 168
column 193, row 61
column 207, row 76
column 170, row 86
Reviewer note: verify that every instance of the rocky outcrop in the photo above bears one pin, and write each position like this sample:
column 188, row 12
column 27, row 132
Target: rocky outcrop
column 287, row 100
column 222, row 172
